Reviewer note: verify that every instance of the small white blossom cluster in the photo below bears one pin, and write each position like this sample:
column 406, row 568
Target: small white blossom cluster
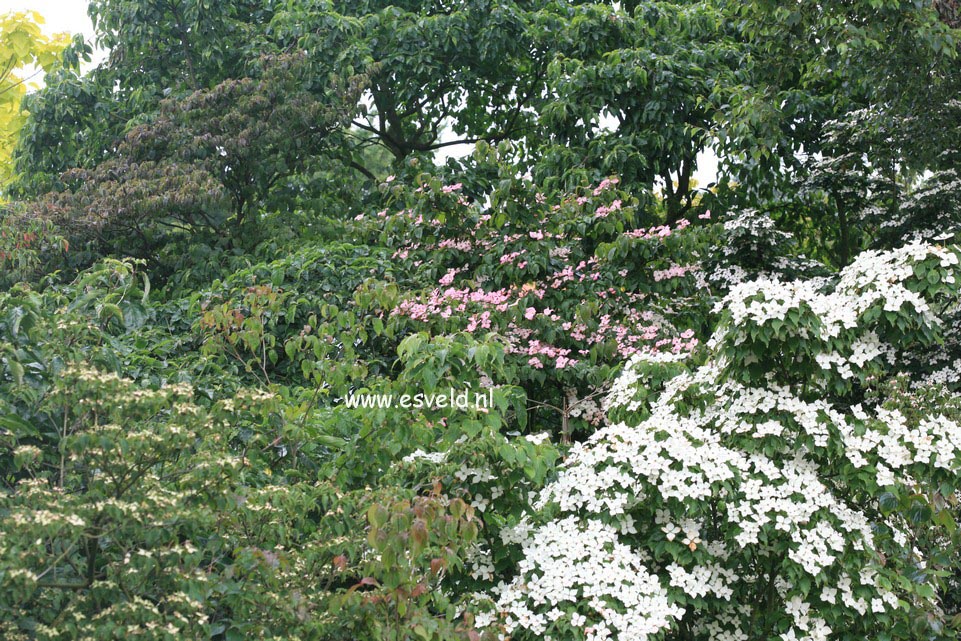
column 479, row 562
column 753, row 246
column 588, row 408
column 929, row 211
column 809, row 310
column 890, row 442
column 421, row 455
column 949, row 375
column 46, row 518
column 485, row 478
column 728, row 276
column 880, row 276
column 517, row 534
column 29, row 452
column 538, row 439
column 756, row 228
column 623, row 393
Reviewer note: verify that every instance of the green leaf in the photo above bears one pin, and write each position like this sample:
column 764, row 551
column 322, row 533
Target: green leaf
column 16, row 371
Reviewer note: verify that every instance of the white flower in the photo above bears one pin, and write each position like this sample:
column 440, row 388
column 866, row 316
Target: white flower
column 670, row 531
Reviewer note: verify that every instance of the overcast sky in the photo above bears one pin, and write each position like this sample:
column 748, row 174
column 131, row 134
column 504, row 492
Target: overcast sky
column 61, row 15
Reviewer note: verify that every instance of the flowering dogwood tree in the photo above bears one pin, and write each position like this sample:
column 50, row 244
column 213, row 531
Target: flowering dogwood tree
column 769, row 490
column 572, row 285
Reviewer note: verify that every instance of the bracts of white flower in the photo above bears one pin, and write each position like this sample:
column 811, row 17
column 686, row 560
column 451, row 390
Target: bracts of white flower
column 746, row 507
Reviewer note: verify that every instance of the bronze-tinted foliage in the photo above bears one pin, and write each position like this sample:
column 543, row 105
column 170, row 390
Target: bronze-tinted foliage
column 206, row 160
column 950, row 12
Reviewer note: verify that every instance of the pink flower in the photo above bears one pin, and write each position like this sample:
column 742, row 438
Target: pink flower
column 675, row 271
column 537, row 235
column 448, row 278
column 449, row 188
column 605, row 184
column 530, row 313
column 706, row 215
column 450, row 243
column 535, row 363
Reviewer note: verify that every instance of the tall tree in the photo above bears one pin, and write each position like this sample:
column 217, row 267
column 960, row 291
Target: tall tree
column 546, row 76
column 471, row 68
column 638, row 94
column 206, row 161
column 160, row 44
column 25, row 52
column 158, row 49
column 865, row 91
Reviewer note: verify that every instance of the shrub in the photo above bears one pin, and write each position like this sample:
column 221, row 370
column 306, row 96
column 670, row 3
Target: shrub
column 763, row 493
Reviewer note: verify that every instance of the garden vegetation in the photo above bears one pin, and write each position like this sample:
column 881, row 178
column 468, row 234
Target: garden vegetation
column 723, row 411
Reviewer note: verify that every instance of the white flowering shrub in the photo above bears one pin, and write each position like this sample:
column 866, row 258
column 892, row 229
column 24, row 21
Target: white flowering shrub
column 766, row 491
column 752, row 244
column 142, row 523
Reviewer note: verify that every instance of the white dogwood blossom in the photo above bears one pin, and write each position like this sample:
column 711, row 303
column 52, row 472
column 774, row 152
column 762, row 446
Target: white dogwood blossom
column 561, row 572
column 741, row 486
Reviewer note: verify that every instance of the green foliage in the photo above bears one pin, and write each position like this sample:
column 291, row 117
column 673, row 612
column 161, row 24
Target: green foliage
column 27, row 249
column 418, row 543
column 773, row 488
column 22, row 45
column 157, row 45
column 268, row 370
column 471, row 68
column 206, row 160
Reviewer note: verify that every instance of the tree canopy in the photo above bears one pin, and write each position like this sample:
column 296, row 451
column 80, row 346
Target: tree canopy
column 25, row 51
